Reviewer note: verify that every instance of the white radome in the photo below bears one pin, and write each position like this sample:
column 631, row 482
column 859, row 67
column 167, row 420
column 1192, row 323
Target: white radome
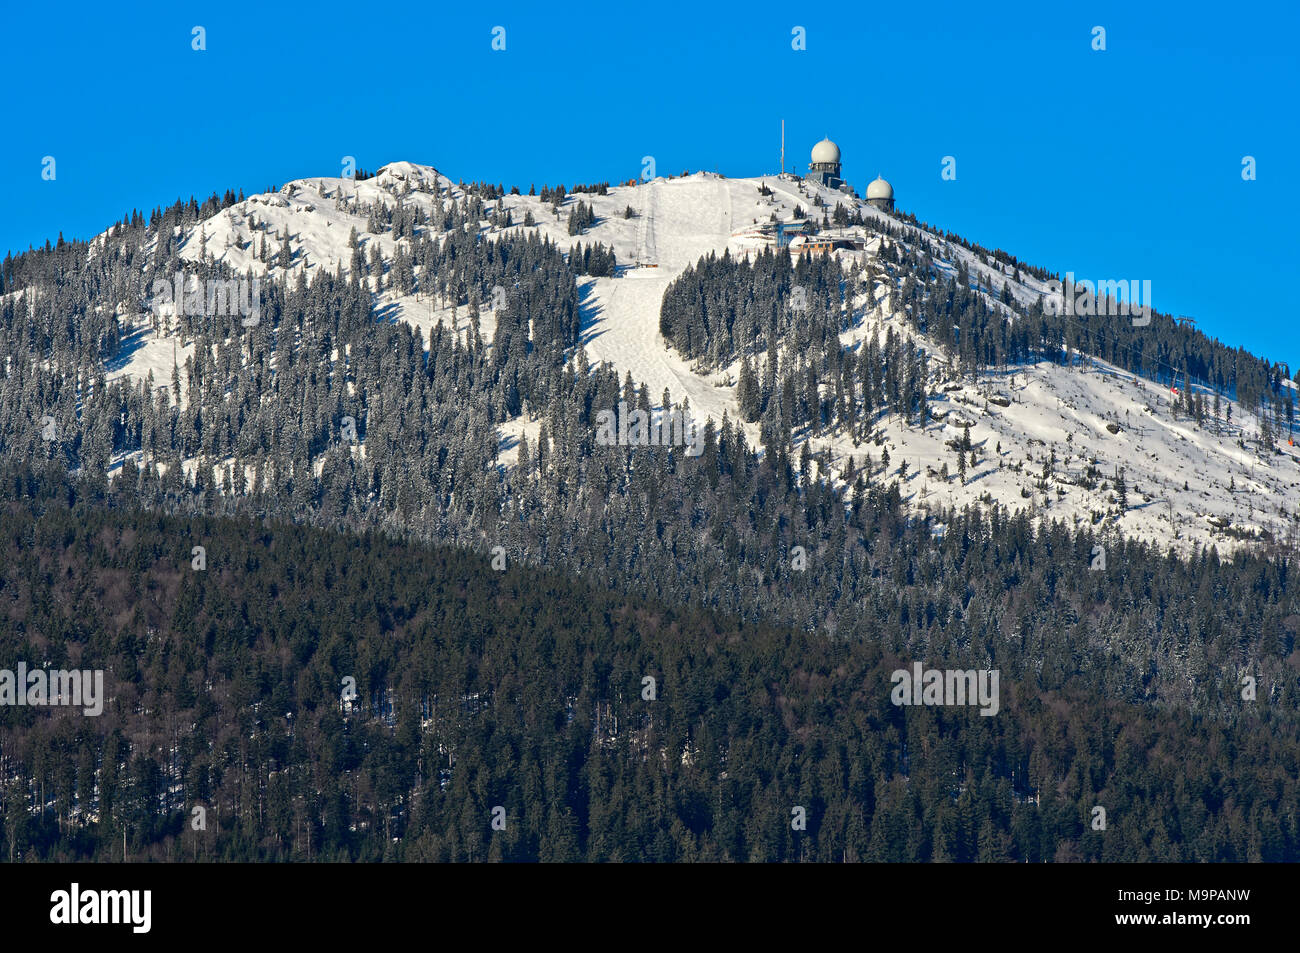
column 826, row 151
column 880, row 189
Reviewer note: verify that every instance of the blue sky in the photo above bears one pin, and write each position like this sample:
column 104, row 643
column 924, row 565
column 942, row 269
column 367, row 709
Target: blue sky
column 1123, row 163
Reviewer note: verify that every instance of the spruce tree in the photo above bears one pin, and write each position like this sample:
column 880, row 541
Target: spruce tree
column 747, row 391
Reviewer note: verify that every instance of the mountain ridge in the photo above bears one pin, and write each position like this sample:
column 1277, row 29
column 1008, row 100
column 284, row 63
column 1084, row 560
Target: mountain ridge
column 1232, row 495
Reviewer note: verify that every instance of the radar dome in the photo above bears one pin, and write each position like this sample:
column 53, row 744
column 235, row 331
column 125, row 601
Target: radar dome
column 826, row 151
column 880, row 189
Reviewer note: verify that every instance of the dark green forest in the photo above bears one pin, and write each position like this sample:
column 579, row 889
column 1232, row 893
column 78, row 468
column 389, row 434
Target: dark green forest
column 523, row 689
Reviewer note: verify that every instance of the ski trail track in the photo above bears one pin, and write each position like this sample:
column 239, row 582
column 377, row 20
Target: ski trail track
column 620, row 316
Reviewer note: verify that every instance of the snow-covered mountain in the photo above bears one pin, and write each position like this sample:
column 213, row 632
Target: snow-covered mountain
column 1188, row 485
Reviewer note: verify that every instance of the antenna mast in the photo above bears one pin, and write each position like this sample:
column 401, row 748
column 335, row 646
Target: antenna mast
column 783, row 147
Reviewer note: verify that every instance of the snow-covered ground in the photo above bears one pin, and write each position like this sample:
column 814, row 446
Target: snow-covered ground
column 1187, row 485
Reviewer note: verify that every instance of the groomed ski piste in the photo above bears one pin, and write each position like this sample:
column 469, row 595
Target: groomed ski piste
column 1188, row 486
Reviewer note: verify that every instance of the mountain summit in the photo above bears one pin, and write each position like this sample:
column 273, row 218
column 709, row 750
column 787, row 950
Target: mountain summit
column 1068, row 435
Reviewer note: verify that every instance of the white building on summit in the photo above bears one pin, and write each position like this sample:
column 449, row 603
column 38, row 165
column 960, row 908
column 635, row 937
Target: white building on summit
column 825, row 170
column 880, row 194
column 825, row 166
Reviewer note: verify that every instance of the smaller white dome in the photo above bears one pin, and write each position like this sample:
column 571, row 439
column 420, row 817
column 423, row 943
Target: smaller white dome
column 826, row 151
column 880, row 189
